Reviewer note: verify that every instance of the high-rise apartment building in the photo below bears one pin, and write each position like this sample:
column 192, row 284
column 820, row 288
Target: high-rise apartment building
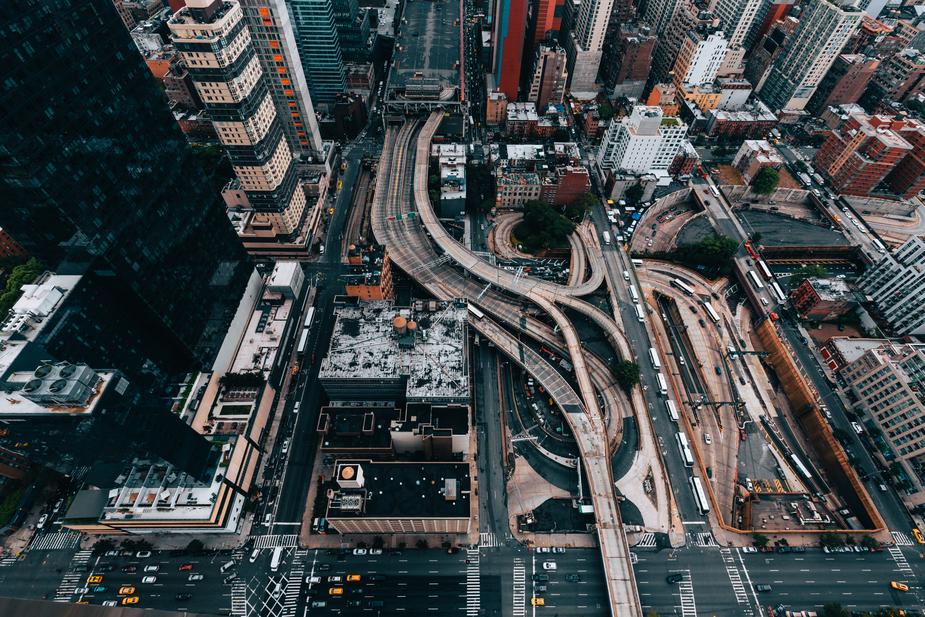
column 888, row 382
column 898, row 77
column 646, row 141
column 215, row 43
column 585, row 47
column 274, row 41
column 549, row 77
column 352, row 30
column 896, row 284
column 824, row 28
column 844, row 83
column 658, row 13
column 687, row 18
column 94, row 163
column 547, row 21
column 631, row 62
column 738, row 19
column 699, row 58
column 509, row 36
column 907, row 179
column 319, row 49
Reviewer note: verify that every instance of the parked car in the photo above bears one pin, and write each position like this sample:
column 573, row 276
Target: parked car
column 130, row 569
column 375, row 551
column 183, row 596
column 195, row 577
column 672, row 579
column 360, row 551
column 152, row 568
column 149, row 579
column 143, row 554
column 549, row 565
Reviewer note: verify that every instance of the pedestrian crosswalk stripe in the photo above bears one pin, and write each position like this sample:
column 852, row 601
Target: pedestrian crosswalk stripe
column 901, row 564
column 706, row 539
column 473, row 583
column 239, row 598
column 686, row 589
column 276, row 541
column 901, row 539
column 55, row 541
column 488, row 539
column 520, row 588
column 738, row 588
column 647, row 541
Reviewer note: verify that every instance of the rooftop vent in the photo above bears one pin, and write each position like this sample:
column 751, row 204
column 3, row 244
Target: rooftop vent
column 32, row 385
column 43, row 370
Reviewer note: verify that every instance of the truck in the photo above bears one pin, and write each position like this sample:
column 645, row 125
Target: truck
column 606, row 237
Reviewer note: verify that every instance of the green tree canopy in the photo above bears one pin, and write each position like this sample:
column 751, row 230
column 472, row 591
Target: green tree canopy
column 543, row 227
column 765, row 181
column 633, row 193
column 627, row 374
column 23, row 274
column 712, row 255
column 831, row 540
column 760, row 540
column 808, row 271
column 576, row 211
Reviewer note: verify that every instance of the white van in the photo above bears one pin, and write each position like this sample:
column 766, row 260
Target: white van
column 626, row 275
column 276, row 558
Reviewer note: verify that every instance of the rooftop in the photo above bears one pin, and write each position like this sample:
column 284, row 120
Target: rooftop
column 831, row 289
column 423, row 346
column 427, row 50
column 853, row 348
column 356, row 428
column 400, row 490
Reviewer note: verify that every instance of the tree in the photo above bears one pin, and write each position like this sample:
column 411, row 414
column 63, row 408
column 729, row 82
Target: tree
column 806, row 272
column 543, row 227
column 378, row 542
column 605, row 110
column 577, row 210
column 800, row 166
column 712, row 255
column 760, row 540
column 195, row 547
column 633, row 194
column 101, row 546
column 765, row 181
column 23, row 274
column 831, row 540
column 756, row 237
column 421, row 544
column 627, row 374
column 834, row 609
column 869, row 543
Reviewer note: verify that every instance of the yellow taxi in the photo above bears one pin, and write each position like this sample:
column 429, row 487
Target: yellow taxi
column 899, row 586
column 96, row 578
column 354, row 578
column 336, row 591
column 126, row 590
column 130, row 600
column 918, row 535
column 537, row 601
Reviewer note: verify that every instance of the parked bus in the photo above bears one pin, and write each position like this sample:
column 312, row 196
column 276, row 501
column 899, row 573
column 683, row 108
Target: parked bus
column 662, row 384
column 711, row 312
column 672, row 410
column 778, row 292
column 309, row 317
column 703, row 506
column 765, row 270
column 714, row 190
column 474, row 310
column 682, row 286
column 303, row 340
column 653, row 355
column 640, row 315
column 800, row 467
column 637, row 263
column 276, row 558
column 685, row 449
column 756, row 282
column 606, row 235
column 634, row 294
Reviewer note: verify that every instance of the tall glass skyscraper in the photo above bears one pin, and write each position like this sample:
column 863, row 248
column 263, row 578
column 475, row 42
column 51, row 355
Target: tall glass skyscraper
column 92, row 162
column 319, row 48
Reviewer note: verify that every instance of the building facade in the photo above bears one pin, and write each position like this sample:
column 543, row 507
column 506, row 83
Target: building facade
column 699, row 59
column 550, row 77
column 646, row 141
column 844, row 83
column 319, row 48
column 896, row 285
column 586, row 44
column 509, row 36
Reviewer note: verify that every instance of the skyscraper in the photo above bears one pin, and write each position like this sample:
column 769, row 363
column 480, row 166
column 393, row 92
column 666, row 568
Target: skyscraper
column 549, row 77
column 738, row 18
column 646, row 141
column 215, row 43
column 274, row 41
column 319, row 48
column 586, row 45
column 547, row 21
column 823, row 30
column 93, row 162
column 510, row 33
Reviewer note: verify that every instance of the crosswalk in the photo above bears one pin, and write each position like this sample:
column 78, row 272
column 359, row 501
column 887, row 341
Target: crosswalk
column 55, row 541
column 72, row 580
column 8, row 561
column 738, row 587
column 686, row 589
column 473, row 583
column 902, row 565
column 276, row 541
column 239, row 598
column 901, row 539
column 488, row 539
column 294, row 588
column 705, row 540
column 647, row 541
column 520, row 588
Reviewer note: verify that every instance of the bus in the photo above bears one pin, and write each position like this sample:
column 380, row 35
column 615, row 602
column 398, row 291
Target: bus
column 637, row 263
column 276, row 558
column 309, row 317
column 800, row 467
column 684, row 449
column 474, row 310
column 711, row 312
column 765, row 270
column 640, row 315
column 682, row 286
column 672, row 410
column 303, row 340
column 606, row 237
column 703, row 506
column 778, row 292
column 714, row 190
column 634, row 294
column 756, row 282
column 662, row 384
column 653, row 355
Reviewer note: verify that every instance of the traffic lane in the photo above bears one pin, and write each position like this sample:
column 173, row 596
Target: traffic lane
column 586, row 596
column 711, row 589
column 38, row 575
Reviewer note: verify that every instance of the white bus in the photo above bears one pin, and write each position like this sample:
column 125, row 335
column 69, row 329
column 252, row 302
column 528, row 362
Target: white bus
column 778, row 292
column 703, row 506
column 640, row 315
column 682, row 286
column 637, row 263
column 672, row 410
column 474, row 310
column 711, row 312
column 756, row 282
column 685, row 449
column 276, row 558
column 653, row 355
column 606, row 237
column 765, row 270
column 662, row 384
column 309, row 317
column 714, row 190
column 634, row 294
column 303, row 340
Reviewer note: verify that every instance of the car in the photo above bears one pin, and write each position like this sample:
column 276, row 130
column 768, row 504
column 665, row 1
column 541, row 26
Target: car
column 360, row 551
column 312, row 580
column 543, row 549
column 899, row 586
column 94, row 578
column 183, row 596
column 112, row 553
column 99, row 589
column 41, row 522
column 763, row 588
column 152, row 568
column 707, row 439
column 324, row 567
column 319, row 604
column 228, row 579
column 111, row 603
column 572, row 578
column 749, row 549
column 143, row 554
column 857, row 428
column 537, row 601
column 195, row 577
column 126, row 590
column 541, row 577
column 81, row 591
column 375, row 551
column 918, row 535
column 149, row 579
column 356, row 591
column 130, row 600
column 254, row 555
column 336, row 591
column 549, row 565
column 336, row 578
column 672, row 579
column 375, row 604
column 558, row 549
column 354, row 578
column 186, row 567
column 130, row 569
